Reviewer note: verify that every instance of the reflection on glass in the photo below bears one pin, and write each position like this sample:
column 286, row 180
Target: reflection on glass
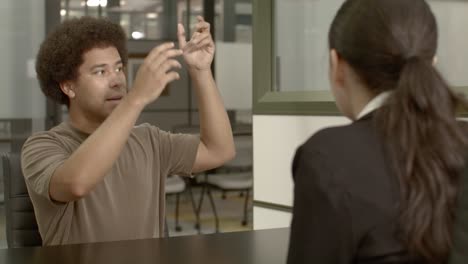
column 301, row 42
column 22, row 104
column 452, row 55
column 233, row 57
column 151, row 19
column 195, row 8
column 146, row 19
column 233, row 19
column 301, row 29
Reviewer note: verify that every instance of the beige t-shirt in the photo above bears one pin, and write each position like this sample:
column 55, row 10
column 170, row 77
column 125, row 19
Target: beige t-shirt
column 128, row 204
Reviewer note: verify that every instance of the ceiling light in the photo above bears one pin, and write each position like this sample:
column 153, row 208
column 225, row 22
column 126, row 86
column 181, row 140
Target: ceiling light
column 151, row 15
column 96, row 3
column 137, row 35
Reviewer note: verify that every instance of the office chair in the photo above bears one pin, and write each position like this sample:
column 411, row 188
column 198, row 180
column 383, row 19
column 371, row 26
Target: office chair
column 235, row 175
column 21, row 225
column 239, row 181
column 175, row 185
column 459, row 252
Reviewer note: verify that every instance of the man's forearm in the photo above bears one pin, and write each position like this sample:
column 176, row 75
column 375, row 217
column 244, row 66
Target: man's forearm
column 215, row 128
column 94, row 158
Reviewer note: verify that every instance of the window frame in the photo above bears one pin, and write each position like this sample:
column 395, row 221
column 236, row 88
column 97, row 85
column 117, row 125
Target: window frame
column 266, row 101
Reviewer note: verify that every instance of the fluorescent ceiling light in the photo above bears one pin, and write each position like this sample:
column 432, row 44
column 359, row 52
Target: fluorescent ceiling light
column 151, row 15
column 137, row 35
column 96, row 3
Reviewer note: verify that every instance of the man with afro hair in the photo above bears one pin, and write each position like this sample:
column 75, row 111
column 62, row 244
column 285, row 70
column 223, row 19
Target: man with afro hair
column 97, row 176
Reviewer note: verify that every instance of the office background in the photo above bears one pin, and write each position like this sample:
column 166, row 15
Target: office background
column 300, row 41
column 24, row 110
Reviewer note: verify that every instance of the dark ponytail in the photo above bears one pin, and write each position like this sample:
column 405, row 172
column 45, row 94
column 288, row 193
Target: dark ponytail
column 427, row 145
column 391, row 45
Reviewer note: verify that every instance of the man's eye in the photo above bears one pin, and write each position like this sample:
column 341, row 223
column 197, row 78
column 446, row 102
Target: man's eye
column 100, row 72
column 119, row 69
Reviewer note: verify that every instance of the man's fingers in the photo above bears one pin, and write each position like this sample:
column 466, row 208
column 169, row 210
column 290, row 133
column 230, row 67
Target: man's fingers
column 196, row 38
column 171, row 76
column 170, row 64
column 198, row 42
column 181, row 36
column 165, row 56
column 202, row 27
column 155, row 52
column 201, row 38
column 204, row 43
column 166, row 79
column 189, row 46
column 195, row 35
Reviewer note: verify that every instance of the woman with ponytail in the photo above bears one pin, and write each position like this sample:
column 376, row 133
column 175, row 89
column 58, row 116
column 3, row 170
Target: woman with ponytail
column 384, row 188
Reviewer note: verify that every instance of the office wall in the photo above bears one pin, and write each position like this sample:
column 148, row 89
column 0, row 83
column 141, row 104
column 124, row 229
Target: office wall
column 275, row 141
column 267, row 218
column 452, row 52
column 22, row 30
column 234, row 74
column 302, row 48
column 22, row 105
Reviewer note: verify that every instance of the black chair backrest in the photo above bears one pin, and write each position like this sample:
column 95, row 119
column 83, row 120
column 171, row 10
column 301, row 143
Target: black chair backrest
column 459, row 252
column 21, row 225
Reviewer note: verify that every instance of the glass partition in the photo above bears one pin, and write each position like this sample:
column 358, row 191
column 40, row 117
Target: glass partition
column 291, row 53
column 22, row 105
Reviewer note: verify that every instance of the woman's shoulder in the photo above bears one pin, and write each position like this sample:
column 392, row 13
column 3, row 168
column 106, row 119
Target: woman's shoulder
column 358, row 133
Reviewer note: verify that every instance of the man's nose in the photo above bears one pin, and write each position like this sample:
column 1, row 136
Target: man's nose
column 117, row 79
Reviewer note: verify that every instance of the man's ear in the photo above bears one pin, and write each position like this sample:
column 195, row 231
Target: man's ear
column 67, row 88
column 336, row 69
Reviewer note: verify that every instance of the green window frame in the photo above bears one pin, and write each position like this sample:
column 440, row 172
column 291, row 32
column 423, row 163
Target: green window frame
column 269, row 102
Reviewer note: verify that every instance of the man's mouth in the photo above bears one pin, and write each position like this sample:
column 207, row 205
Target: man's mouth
column 115, row 98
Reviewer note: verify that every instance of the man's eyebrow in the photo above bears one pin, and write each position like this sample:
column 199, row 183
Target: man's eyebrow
column 98, row 66
column 104, row 65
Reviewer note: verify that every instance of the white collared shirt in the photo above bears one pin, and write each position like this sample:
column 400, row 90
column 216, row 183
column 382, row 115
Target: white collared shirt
column 375, row 103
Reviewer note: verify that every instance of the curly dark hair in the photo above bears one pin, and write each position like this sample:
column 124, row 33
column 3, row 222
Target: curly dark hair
column 61, row 53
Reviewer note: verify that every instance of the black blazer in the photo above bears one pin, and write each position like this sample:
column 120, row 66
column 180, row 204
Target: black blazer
column 345, row 199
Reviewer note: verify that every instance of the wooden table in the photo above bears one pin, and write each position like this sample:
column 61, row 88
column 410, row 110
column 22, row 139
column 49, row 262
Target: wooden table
column 262, row 246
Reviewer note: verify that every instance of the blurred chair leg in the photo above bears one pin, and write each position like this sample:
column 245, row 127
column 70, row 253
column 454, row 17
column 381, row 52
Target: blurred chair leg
column 194, row 207
column 166, row 228
column 244, row 221
column 178, row 228
column 223, row 196
column 210, row 196
column 200, row 203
